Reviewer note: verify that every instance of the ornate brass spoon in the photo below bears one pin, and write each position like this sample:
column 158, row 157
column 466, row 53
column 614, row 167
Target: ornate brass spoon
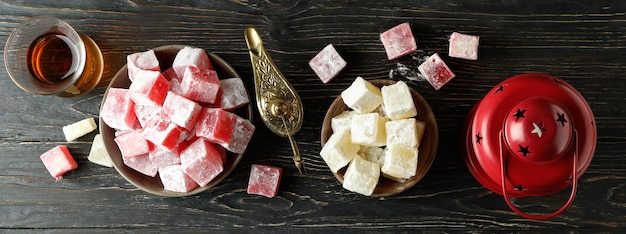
column 278, row 103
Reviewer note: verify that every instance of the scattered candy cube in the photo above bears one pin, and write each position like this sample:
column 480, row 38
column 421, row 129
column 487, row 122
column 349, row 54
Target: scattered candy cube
column 191, row 57
column 402, row 132
column 200, row 85
column 98, row 153
column 201, row 161
column 58, row 161
column 79, row 129
column 400, row 162
column 149, row 88
column 232, row 94
column 180, row 110
column 339, row 150
column 362, row 96
column 118, row 110
column 398, row 41
column 264, row 180
column 146, row 60
column 463, row 46
column 397, row 101
column 361, row 176
column 175, row 179
column 368, row 129
column 436, row 71
column 327, row 63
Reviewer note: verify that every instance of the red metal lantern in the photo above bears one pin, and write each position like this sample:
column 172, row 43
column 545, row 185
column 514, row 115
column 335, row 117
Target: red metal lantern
column 531, row 135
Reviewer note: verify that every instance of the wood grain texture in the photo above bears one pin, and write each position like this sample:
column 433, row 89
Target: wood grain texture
column 581, row 42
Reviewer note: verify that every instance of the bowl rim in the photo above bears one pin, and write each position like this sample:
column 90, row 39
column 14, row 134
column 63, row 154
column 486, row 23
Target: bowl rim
column 425, row 161
column 130, row 174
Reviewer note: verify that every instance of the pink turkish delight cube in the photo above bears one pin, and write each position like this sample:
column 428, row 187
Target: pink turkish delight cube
column 118, row 110
column 201, row 161
column 180, row 110
column 175, row 86
column 132, row 144
column 146, row 113
column 191, row 57
column 161, row 156
column 398, row 41
column 463, row 46
column 170, row 74
column 149, row 88
column 141, row 164
column 216, row 125
column 243, row 131
column 141, row 61
column 232, row 94
column 175, row 179
column 264, row 180
column 327, row 63
column 162, row 131
column 200, row 85
column 436, row 71
column 58, row 161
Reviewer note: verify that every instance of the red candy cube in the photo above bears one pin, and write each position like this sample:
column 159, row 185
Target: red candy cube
column 180, row 110
column 170, row 74
column 232, row 94
column 436, row 71
column 164, row 132
column 201, row 161
column 132, row 144
column 142, row 164
column 149, row 88
column 200, row 85
column 264, row 180
column 142, row 61
column 161, row 156
column 398, row 41
column 175, row 179
column 216, row 125
column 327, row 63
column 191, row 57
column 146, row 113
column 58, row 161
column 118, row 111
column 241, row 136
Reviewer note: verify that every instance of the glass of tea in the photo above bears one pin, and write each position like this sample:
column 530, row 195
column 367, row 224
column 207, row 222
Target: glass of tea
column 46, row 56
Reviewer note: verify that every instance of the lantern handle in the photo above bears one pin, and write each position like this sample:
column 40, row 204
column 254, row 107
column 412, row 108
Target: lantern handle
column 546, row 216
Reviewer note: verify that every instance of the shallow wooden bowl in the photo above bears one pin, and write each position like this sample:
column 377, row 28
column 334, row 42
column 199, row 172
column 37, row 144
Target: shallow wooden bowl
column 427, row 147
column 166, row 55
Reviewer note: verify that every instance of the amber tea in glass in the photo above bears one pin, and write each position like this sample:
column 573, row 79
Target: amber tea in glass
column 45, row 55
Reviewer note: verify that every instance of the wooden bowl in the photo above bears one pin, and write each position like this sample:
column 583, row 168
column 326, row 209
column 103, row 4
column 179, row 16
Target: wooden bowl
column 166, row 55
column 427, row 147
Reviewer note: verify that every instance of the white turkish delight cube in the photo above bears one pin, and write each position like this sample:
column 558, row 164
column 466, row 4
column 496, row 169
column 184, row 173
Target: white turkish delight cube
column 342, row 121
column 398, row 101
column 402, row 132
column 368, row 129
column 373, row 154
column 339, row 150
column 361, row 176
column 362, row 96
column 400, row 162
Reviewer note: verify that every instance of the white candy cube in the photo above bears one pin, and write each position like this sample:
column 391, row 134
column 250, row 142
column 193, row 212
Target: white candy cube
column 342, row 121
column 373, row 154
column 402, row 132
column 339, row 150
column 98, row 153
column 398, row 101
column 362, row 96
column 361, row 176
column 463, row 46
column 79, row 129
column 368, row 129
column 400, row 162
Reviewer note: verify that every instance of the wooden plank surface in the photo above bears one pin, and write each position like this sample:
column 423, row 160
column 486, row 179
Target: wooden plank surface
column 583, row 43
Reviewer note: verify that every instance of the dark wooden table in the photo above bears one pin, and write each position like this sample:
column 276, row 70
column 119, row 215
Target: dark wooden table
column 582, row 43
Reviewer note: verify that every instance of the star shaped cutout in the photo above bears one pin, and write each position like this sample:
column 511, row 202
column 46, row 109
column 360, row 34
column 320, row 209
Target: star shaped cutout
column 561, row 119
column 519, row 114
column 524, row 150
column 478, row 138
column 538, row 129
column 518, row 187
column 500, row 89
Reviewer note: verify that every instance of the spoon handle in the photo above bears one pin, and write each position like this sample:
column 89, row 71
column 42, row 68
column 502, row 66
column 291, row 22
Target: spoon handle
column 297, row 160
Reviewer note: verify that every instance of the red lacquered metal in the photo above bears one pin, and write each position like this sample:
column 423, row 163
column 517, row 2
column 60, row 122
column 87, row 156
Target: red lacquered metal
column 532, row 135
